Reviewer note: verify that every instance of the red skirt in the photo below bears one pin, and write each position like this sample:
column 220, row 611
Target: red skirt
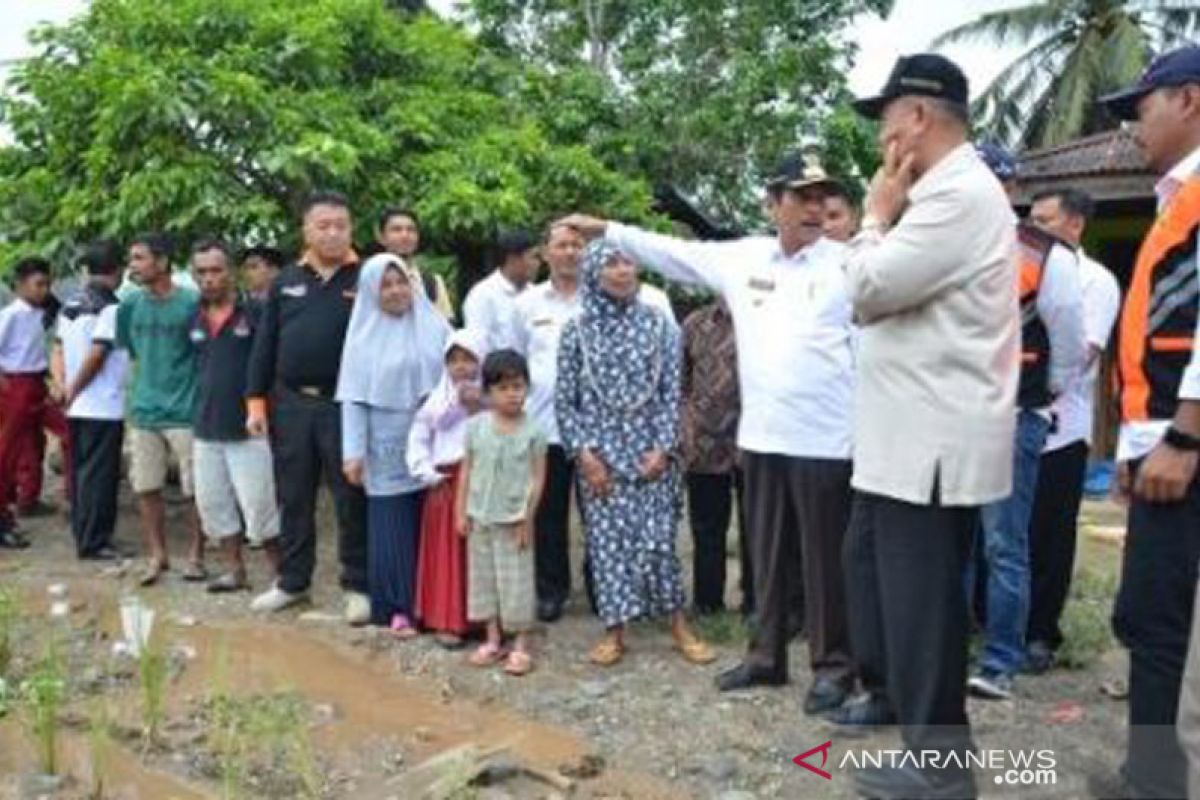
column 442, row 565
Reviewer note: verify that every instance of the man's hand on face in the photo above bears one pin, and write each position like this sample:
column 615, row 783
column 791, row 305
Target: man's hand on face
column 889, row 188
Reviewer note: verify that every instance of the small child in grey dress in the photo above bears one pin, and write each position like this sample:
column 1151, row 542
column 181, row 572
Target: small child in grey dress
column 503, row 473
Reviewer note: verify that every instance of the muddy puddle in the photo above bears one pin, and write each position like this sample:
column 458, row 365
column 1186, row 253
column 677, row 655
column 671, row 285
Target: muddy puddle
column 367, row 708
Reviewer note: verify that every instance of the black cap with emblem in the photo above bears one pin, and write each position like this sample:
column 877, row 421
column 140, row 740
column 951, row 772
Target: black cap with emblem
column 925, row 74
column 800, row 171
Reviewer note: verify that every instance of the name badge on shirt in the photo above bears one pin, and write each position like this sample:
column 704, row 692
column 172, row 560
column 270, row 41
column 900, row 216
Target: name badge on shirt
column 542, row 322
column 763, row 285
column 299, row 290
column 349, row 294
column 242, row 330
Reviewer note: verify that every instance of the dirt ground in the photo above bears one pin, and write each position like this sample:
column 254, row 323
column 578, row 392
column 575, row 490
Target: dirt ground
column 298, row 705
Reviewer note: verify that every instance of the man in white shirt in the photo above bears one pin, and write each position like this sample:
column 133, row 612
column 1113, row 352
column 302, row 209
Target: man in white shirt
column 23, row 393
column 1160, row 436
column 1052, row 356
column 933, row 279
column 491, row 304
column 94, row 374
column 792, row 323
column 539, row 318
column 1052, row 528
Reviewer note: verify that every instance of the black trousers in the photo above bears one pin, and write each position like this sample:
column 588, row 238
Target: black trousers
column 710, row 510
column 1152, row 618
column 908, row 612
column 1052, row 530
column 96, row 472
column 308, row 446
column 552, row 550
column 797, row 511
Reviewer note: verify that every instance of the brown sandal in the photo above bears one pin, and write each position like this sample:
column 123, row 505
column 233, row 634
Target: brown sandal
column 694, row 650
column 606, row 653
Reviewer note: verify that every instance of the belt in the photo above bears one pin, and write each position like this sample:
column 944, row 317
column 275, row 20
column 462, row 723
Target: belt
column 316, row 392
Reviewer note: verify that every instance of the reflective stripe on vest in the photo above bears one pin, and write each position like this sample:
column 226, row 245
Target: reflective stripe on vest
column 1158, row 322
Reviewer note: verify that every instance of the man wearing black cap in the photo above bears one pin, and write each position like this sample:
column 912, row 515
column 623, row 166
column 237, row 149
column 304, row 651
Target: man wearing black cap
column 1160, row 434
column 932, row 277
column 791, row 318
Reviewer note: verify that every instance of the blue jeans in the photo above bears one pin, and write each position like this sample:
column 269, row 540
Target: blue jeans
column 1006, row 552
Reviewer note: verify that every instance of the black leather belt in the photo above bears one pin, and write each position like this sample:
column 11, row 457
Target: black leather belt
column 315, row 392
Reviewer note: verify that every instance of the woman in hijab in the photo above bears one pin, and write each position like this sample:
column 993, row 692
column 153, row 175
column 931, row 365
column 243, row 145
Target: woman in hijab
column 617, row 402
column 392, row 359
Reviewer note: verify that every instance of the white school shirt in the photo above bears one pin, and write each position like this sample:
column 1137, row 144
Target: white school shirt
column 1139, row 437
column 1074, row 408
column 792, row 323
column 22, row 339
column 541, row 314
column 490, row 307
column 104, row 397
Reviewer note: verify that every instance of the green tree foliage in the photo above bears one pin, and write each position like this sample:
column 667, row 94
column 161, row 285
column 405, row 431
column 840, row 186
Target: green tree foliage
column 1076, row 51
column 218, row 116
column 702, row 95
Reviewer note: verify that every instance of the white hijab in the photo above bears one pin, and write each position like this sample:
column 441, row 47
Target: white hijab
column 390, row 361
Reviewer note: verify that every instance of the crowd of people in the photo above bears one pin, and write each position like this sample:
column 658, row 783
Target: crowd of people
column 897, row 400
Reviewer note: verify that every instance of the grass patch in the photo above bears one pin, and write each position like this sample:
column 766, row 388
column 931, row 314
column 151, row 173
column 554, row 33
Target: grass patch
column 724, row 628
column 1086, row 621
column 100, row 747
column 153, row 673
column 43, row 693
column 8, row 624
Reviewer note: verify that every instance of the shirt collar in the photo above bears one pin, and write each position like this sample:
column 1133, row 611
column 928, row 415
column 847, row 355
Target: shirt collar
column 507, row 286
column 1169, row 184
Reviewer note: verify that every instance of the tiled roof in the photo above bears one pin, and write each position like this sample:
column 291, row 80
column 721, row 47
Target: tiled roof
column 1110, row 165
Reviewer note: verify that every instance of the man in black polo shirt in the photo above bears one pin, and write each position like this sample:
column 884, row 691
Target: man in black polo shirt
column 235, row 484
column 297, row 353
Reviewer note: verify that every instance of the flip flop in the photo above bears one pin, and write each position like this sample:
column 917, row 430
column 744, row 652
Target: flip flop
column 402, row 628
column 195, row 572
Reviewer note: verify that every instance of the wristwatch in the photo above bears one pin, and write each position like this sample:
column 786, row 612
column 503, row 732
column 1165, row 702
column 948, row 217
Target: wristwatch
column 1179, row 440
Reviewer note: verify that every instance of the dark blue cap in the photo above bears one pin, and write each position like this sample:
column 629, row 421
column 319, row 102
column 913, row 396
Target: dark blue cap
column 1175, row 68
column 1001, row 162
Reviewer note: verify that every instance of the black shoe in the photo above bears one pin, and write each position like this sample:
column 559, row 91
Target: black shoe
column 102, row 554
column 862, row 715
column 825, row 695
column 12, row 540
column 744, row 676
column 549, row 610
column 908, row 782
column 1039, row 658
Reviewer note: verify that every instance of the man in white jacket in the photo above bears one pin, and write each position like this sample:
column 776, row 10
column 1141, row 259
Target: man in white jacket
column 932, row 276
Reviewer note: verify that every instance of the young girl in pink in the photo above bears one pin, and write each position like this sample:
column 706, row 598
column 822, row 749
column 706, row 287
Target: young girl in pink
column 435, row 451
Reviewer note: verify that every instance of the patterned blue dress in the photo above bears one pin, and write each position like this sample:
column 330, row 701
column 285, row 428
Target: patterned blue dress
column 618, row 394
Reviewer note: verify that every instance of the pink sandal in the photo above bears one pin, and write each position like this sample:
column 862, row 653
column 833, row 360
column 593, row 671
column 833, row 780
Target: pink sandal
column 402, row 627
column 486, row 655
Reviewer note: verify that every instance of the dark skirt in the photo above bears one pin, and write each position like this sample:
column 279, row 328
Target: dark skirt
column 393, row 530
column 442, row 570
